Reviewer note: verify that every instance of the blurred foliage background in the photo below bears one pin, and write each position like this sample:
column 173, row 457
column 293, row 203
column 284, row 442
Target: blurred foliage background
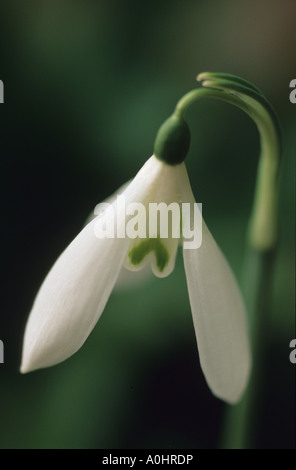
column 87, row 85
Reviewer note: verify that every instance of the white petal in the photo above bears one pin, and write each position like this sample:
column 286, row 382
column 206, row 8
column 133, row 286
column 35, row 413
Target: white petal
column 75, row 292
column 71, row 299
column 218, row 312
column 127, row 279
column 219, row 319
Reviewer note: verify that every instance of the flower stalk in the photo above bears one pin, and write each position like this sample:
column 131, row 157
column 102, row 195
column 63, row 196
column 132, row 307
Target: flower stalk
column 240, row 424
column 244, row 95
column 239, row 430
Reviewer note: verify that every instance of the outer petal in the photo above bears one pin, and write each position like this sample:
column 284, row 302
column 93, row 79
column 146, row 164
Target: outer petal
column 71, row 299
column 74, row 293
column 219, row 320
column 127, row 279
column 218, row 314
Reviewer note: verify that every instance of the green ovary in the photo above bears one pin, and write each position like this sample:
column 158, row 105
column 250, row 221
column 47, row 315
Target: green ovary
column 138, row 253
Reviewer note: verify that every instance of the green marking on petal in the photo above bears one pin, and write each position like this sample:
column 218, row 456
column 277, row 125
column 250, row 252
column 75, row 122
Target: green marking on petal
column 138, row 253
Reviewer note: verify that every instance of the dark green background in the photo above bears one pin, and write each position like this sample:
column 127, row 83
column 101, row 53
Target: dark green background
column 87, row 85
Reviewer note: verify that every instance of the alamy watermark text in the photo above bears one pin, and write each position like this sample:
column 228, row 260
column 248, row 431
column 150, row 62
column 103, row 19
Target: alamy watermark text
column 293, row 92
column 1, row 352
column 1, row 92
column 151, row 220
column 293, row 352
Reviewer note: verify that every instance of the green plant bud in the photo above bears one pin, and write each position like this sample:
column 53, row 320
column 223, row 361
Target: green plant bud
column 172, row 141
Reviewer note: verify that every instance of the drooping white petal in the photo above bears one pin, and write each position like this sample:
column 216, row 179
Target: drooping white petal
column 219, row 320
column 218, row 312
column 71, row 299
column 127, row 278
column 74, row 293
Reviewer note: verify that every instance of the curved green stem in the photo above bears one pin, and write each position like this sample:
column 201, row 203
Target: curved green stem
column 241, row 424
column 240, row 427
column 263, row 222
column 172, row 144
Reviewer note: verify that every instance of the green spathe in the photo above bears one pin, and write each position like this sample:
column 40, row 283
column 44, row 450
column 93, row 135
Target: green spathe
column 172, row 141
column 138, row 253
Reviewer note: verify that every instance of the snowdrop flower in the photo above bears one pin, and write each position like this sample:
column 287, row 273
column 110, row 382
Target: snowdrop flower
column 76, row 290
